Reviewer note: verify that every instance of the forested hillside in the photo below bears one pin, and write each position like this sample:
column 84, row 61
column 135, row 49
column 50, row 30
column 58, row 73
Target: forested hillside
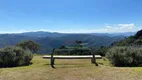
column 12, row 39
column 135, row 40
column 48, row 41
column 47, row 44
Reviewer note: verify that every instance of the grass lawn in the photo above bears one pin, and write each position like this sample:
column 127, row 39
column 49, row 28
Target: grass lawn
column 70, row 70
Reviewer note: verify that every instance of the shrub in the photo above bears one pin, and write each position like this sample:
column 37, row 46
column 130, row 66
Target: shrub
column 125, row 56
column 29, row 44
column 14, row 56
column 102, row 51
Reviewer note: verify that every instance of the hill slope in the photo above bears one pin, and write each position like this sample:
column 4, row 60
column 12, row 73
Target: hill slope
column 47, row 44
column 55, row 40
column 135, row 40
column 12, row 39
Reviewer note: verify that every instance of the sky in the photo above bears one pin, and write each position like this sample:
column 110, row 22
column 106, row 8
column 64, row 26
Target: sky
column 70, row 16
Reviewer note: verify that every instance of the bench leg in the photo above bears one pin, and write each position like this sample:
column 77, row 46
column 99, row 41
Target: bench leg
column 52, row 62
column 93, row 60
column 52, row 59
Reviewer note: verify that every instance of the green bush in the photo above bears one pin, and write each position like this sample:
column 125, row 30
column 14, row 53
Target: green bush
column 14, row 56
column 125, row 56
column 29, row 44
column 102, row 51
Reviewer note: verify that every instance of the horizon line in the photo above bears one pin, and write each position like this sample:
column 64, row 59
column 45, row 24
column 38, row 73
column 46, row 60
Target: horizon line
column 66, row 32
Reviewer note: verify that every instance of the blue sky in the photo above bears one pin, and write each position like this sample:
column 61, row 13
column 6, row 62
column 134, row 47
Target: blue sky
column 70, row 16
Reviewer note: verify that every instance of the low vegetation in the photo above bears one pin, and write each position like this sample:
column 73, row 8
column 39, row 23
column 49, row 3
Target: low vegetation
column 125, row 56
column 101, row 51
column 19, row 55
column 29, row 44
column 14, row 56
column 127, row 52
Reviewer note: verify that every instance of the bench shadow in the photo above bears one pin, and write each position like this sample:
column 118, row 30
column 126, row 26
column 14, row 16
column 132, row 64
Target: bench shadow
column 46, row 64
column 101, row 63
column 68, row 65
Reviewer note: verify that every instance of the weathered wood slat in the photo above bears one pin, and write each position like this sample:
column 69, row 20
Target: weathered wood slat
column 73, row 57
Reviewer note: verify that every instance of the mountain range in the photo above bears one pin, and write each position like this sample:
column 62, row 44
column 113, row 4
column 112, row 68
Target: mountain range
column 49, row 40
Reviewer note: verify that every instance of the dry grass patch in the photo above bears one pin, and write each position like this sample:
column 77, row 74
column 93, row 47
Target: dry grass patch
column 70, row 70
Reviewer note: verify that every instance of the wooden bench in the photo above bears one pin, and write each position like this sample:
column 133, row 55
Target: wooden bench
column 73, row 57
column 52, row 57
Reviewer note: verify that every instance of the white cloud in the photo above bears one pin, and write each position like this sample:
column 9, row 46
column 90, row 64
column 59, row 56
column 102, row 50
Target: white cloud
column 118, row 28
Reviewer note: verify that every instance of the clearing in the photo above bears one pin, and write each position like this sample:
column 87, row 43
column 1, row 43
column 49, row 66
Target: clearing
column 70, row 70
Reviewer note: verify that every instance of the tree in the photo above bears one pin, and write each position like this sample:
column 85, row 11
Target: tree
column 62, row 47
column 29, row 44
column 79, row 43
